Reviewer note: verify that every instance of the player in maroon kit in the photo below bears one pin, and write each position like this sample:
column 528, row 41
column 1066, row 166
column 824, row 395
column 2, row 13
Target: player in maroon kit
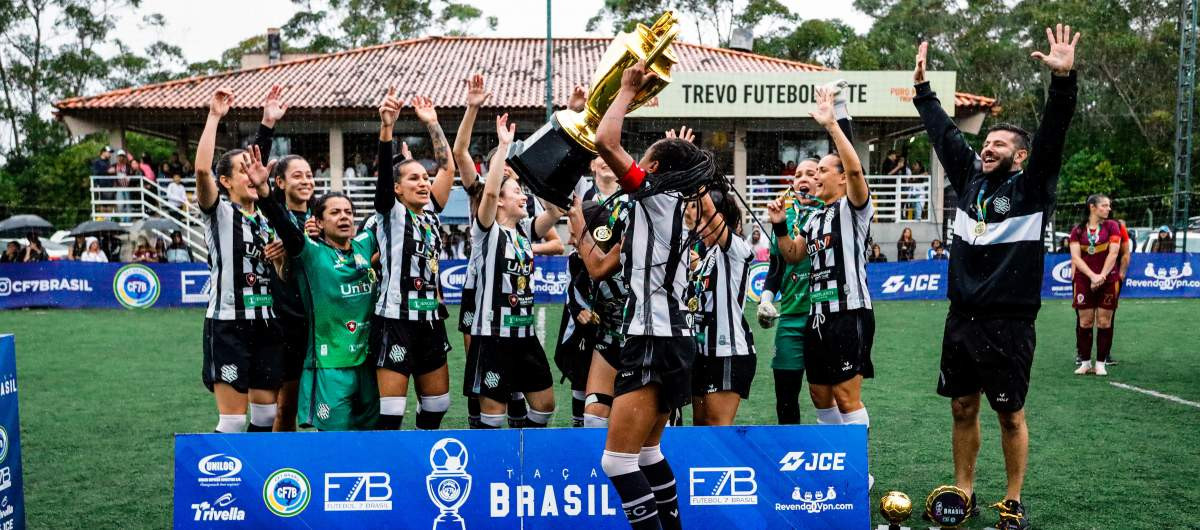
column 1095, row 247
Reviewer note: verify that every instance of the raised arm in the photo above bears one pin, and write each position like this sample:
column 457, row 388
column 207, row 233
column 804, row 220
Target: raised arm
column 206, row 185
column 385, row 193
column 608, row 134
column 543, row 228
column 952, row 149
column 273, row 110
column 712, row 227
column 856, row 182
column 599, row 264
column 476, row 97
column 290, row 234
column 1045, row 160
column 441, row 151
column 485, row 215
column 790, row 250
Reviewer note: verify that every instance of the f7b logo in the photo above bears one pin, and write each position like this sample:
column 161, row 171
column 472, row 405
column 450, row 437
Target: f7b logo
column 723, row 486
column 346, row 492
column 797, row 460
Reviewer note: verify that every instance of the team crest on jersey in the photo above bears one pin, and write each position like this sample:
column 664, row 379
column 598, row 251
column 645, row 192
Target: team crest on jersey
column 418, row 283
column 491, row 379
column 361, row 261
column 513, row 300
column 323, row 411
column 251, row 279
column 397, row 354
column 352, row 326
column 1003, row 204
column 229, row 373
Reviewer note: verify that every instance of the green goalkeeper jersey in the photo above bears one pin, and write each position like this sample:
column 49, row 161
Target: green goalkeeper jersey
column 338, row 288
column 794, row 298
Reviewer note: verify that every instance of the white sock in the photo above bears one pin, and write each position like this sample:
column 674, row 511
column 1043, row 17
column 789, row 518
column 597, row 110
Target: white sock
column 829, row 416
column 539, row 417
column 650, row 455
column 393, row 406
column 262, row 415
column 492, row 420
column 231, row 423
column 592, row 420
column 857, row 417
column 616, row 464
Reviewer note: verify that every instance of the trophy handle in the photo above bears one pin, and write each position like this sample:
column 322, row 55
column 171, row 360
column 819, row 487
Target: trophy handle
column 661, row 46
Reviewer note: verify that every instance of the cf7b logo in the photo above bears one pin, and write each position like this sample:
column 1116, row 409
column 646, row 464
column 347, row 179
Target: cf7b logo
column 813, row 462
column 723, row 486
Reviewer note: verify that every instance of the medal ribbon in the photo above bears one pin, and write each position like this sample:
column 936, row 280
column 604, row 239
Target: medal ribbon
column 518, row 244
column 981, row 205
column 426, row 234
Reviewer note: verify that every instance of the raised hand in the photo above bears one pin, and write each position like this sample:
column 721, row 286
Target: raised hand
column 919, row 70
column 310, row 228
column 257, row 172
column 1061, row 58
column 425, row 111
column 684, row 133
column 221, row 101
column 277, row 255
column 273, row 108
column 635, row 77
column 476, row 94
column 504, row 130
column 389, row 109
column 578, row 99
column 404, row 151
column 776, row 212
column 824, row 111
column 575, row 216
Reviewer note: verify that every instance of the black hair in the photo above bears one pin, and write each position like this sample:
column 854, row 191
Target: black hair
column 841, row 167
column 727, row 206
column 397, row 164
column 279, row 171
column 1021, row 134
column 683, row 169
column 1092, row 200
column 225, row 167
column 319, row 205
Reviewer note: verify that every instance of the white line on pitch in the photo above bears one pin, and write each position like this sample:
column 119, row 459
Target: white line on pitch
column 1167, row 397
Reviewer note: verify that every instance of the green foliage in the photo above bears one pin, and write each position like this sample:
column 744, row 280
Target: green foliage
column 712, row 19
column 341, row 24
column 1087, row 172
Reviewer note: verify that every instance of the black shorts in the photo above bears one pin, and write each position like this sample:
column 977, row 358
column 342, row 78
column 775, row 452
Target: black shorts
column 293, row 340
column 723, row 374
column 608, row 345
column 409, row 347
column 466, row 311
column 503, row 365
column 838, row 347
column 665, row 361
column 993, row 355
column 573, row 357
column 243, row 354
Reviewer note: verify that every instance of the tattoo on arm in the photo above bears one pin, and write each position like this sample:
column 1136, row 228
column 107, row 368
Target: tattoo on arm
column 441, row 148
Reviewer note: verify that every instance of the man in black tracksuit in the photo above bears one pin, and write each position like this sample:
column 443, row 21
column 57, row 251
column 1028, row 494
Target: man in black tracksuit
column 1006, row 196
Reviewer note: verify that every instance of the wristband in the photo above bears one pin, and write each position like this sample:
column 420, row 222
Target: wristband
column 632, row 180
column 780, row 229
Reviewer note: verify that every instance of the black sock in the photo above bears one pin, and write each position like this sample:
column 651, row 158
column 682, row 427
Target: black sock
column 473, row 411
column 662, row 482
column 388, row 422
column 255, row 428
column 517, row 411
column 576, row 410
column 482, row 425
column 635, row 487
column 429, row 421
column 787, row 395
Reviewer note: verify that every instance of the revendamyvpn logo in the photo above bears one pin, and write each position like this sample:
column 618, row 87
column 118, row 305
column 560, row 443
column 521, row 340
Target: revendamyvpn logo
column 136, row 286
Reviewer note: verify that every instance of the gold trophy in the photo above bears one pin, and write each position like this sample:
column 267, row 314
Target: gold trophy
column 551, row 160
column 947, row 506
column 895, row 507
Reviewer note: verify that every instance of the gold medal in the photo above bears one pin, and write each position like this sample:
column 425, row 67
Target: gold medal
column 980, row 228
column 601, row 234
column 1091, row 249
column 521, row 283
column 433, row 266
column 694, row 304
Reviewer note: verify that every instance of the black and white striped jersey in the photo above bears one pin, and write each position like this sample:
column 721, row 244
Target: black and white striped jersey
column 504, row 280
column 655, row 268
column 409, row 246
column 837, row 239
column 239, row 273
column 723, row 276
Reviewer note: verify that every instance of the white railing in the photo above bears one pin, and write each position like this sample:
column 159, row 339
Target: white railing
column 129, row 199
column 897, row 198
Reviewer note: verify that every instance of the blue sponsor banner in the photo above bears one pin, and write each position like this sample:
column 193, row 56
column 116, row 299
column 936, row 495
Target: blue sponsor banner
column 71, row 284
column 549, row 281
column 1150, row 275
column 726, row 477
column 12, row 489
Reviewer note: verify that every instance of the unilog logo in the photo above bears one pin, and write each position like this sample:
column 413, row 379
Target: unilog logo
column 219, row 510
column 286, row 492
column 220, row 470
column 723, row 486
column 1063, row 272
column 796, row 460
column 911, row 284
column 136, row 286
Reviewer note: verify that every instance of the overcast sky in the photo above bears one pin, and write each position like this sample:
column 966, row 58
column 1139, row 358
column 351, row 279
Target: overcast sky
column 205, row 29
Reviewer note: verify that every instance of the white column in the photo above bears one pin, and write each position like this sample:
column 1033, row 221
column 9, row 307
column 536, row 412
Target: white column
column 739, row 159
column 116, row 139
column 336, row 158
column 937, row 181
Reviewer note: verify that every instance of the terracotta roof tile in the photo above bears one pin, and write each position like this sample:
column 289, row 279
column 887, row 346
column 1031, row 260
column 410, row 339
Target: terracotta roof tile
column 429, row 66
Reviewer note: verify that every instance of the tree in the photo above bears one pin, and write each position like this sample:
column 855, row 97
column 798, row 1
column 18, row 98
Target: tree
column 714, row 20
column 813, row 41
column 331, row 25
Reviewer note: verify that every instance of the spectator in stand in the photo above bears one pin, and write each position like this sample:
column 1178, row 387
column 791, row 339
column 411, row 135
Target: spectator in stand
column 478, row 163
column 761, row 245
column 35, row 251
column 171, row 167
column 77, row 249
column 93, row 253
column 176, row 193
column 144, row 253
column 321, row 175
column 906, row 246
column 12, row 253
column 1165, row 242
column 1064, row 246
column 160, row 249
column 360, row 167
column 147, row 168
column 876, row 255
column 112, row 247
column 891, row 163
column 179, row 251
column 937, row 251
column 122, row 169
column 100, row 165
column 918, row 189
column 789, row 170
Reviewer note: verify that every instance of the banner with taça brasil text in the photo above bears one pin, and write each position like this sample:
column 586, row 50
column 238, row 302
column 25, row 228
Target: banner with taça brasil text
column 12, row 484
column 806, row 476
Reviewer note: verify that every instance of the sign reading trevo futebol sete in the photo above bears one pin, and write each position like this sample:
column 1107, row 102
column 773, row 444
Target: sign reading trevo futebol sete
column 869, row 94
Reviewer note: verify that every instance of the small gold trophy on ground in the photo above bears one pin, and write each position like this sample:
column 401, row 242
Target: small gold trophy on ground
column 947, row 506
column 895, row 507
column 551, row 160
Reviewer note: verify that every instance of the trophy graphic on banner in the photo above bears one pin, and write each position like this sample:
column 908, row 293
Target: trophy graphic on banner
column 552, row 160
column 947, row 506
column 896, row 508
column 448, row 484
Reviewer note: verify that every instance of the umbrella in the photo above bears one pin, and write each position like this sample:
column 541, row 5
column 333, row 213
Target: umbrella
column 156, row 223
column 22, row 224
column 88, row 228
